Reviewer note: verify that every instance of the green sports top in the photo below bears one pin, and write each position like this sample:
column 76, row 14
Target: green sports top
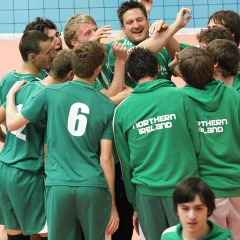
column 218, row 113
column 9, row 79
column 23, row 148
column 163, row 59
column 216, row 233
column 78, row 117
column 157, row 139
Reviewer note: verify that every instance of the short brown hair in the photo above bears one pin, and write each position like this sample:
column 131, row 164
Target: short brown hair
column 230, row 20
column 61, row 64
column 128, row 5
column 30, row 43
column 196, row 66
column 210, row 34
column 72, row 25
column 226, row 54
column 87, row 57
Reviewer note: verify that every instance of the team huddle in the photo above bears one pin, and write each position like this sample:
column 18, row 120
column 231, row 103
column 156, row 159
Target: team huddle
column 99, row 141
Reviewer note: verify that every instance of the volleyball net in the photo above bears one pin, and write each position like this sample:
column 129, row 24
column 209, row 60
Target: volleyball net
column 15, row 14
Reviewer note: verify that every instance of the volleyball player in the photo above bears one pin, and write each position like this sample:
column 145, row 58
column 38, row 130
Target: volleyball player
column 21, row 160
column 80, row 185
column 47, row 26
column 36, row 53
column 217, row 108
column 145, row 143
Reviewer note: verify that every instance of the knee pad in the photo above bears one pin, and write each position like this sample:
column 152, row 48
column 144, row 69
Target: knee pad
column 18, row 237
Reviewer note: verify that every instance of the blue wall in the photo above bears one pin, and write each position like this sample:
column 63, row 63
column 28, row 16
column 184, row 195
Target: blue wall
column 15, row 14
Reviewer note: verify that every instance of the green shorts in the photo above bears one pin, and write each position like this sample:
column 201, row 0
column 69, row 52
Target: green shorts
column 76, row 211
column 22, row 200
column 155, row 214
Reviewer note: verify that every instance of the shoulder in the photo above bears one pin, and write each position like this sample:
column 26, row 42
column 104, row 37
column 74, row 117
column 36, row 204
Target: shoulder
column 171, row 233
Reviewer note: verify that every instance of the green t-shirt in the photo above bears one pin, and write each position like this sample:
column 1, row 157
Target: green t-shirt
column 104, row 79
column 163, row 59
column 9, row 79
column 78, row 117
column 43, row 73
column 23, row 148
column 216, row 233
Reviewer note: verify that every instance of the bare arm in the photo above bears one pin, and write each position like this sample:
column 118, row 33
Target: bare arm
column 120, row 52
column 14, row 119
column 108, row 166
column 2, row 120
column 122, row 95
column 159, row 41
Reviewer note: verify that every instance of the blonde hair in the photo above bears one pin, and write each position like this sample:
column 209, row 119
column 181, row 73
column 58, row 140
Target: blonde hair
column 72, row 25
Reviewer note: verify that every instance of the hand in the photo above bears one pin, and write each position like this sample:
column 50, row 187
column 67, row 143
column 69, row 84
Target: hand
column 158, row 26
column 148, row 5
column 135, row 222
column 175, row 60
column 113, row 222
column 119, row 51
column 180, row 20
column 16, row 86
column 102, row 32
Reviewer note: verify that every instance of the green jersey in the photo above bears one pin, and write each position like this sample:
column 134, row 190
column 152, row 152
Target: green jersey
column 236, row 82
column 163, row 59
column 218, row 113
column 44, row 73
column 216, row 233
column 9, row 79
column 23, row 148
column 78, row 117
column 148, row 126
column 104, row 79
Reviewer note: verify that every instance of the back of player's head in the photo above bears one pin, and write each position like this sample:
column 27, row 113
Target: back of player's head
column 72, row 25
column 230, row 20
column 141, row 63
column 129, row 5
column 61, row 64
column 30, row 43
column 87, row 57
column 210, row 34
column 226, row 54
column 40, row 24
column 187, row 190
column 196, row 66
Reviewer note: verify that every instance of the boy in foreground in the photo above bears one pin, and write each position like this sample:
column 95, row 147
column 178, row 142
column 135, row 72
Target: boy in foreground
column 193, row 203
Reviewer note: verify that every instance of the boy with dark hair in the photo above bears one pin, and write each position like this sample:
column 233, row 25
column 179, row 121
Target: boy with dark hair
column 48, row 27
column 144, row 143
column 22, row 157
column 226, row 57
column 36, row 52
column 79, row 163
column 193, row 203
column 226, row 19
column 217, row 108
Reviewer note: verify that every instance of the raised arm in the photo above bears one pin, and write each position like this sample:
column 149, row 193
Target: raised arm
column 159, row 41
column 120, row 52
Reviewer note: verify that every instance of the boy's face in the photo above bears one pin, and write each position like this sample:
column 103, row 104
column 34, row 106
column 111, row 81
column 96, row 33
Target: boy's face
column 212, row 24
column 193, row 216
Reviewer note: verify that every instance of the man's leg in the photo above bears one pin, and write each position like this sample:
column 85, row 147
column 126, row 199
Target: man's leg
column 93, row 209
